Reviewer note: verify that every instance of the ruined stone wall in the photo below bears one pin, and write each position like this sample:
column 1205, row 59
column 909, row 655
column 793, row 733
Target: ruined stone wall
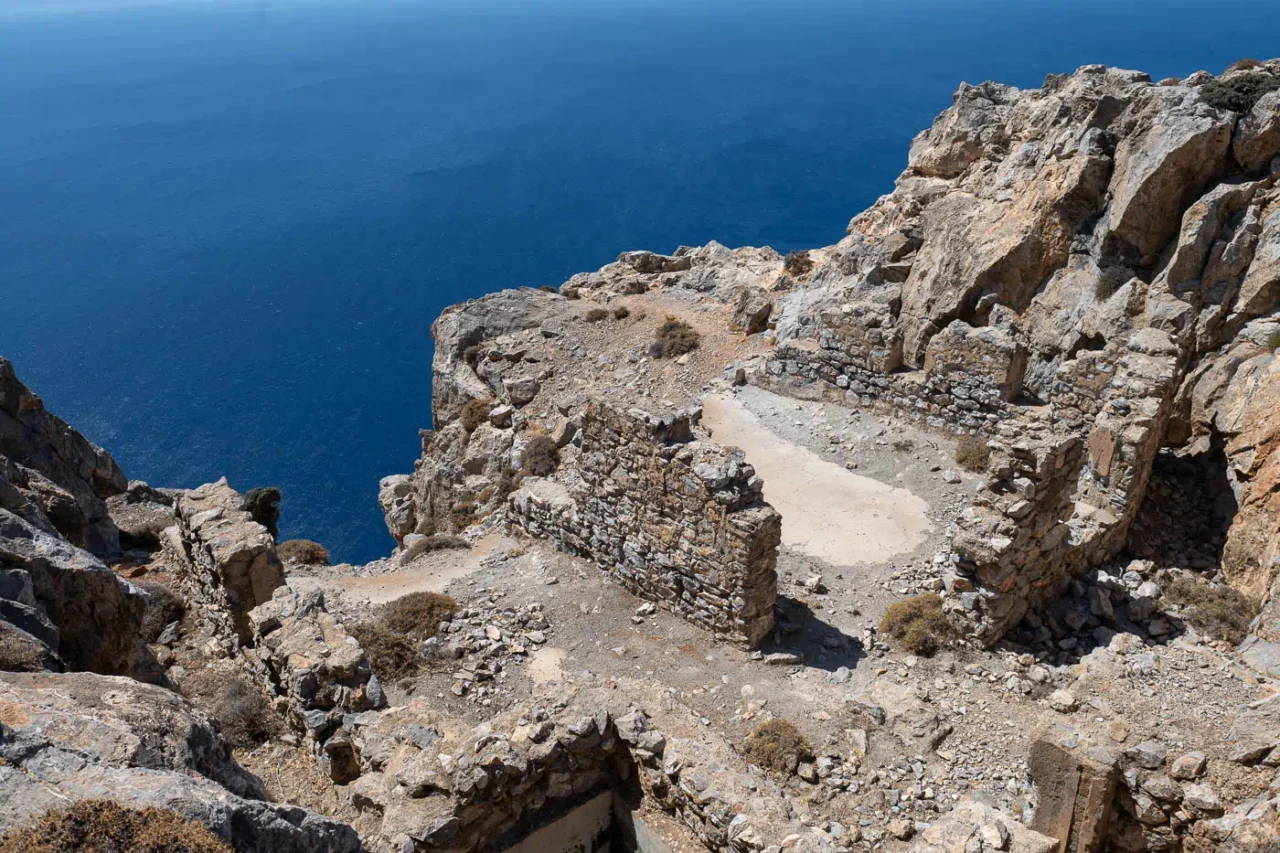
column 969, row 377
column 675, row 520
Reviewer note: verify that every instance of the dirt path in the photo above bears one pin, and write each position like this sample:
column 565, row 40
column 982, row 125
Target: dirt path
column 827, row 512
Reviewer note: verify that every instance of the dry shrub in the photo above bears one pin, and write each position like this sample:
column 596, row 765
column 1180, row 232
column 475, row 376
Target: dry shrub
column 304, row 552
column 674, row 338
column 391, row 656
column 244, row 715
column 539, row 457
column 418, row 615
column 463, row 514
column 163, row 607
column 1219, row 611
column 622, row 312
column 798, row 263
column 595, row 315
column 106, row 826
column 777, row 745
column 904, row 445
column 474, row 413
column 917, row 623
column 1246, row 64
column 972, row 453
column 548, row 288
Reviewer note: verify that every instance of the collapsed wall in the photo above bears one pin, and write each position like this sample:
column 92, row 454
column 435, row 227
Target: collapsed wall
column 675, row 520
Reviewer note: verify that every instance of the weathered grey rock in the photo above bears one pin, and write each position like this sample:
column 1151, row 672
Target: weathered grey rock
column 82, row 474
column 1257, row 135
column 141, row 513
column 65, row 737
column 72, row 602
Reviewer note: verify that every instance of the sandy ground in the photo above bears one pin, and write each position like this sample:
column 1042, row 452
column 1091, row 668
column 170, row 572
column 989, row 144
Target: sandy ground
column 827, row 511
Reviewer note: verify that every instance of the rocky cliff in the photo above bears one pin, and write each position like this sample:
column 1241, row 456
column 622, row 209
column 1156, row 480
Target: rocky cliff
column 1081, row 280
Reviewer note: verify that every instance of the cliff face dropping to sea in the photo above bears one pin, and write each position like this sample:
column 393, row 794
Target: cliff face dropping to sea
column 1050, row 355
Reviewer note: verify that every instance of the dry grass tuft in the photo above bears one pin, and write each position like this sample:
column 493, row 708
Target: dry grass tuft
column 418, row 615
column 244, row 716
column 798, row 263
column 539, row 457
column 674, row 338
column 304, row 552
column 474, row 413
column 595, row 315
column 777, row 745
column 622, row 312
column 1219, row 611
column 918, row 624
column 106, row 826
column 972, row 453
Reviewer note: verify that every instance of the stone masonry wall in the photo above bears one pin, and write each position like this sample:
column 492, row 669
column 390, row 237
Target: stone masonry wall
column 675, row 520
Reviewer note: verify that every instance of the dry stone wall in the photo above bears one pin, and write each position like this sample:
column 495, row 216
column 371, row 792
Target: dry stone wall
column 675, row 520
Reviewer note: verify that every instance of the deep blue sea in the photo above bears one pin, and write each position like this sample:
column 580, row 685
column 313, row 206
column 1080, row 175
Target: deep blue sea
column 225, row 228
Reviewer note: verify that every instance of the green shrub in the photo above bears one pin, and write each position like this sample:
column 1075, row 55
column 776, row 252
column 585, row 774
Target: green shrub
column 539, row 457
column 918, row 624
column 106, row 826
column 1240, row 92
column 1219, row 611
column 474, row 413
column 777, row 745
column 304, row 552
column 674, row 338
column 1273, row 341
column 798, row 263
column 595, row 315
column 972, row 453
column 263, row 503
column 244, row 715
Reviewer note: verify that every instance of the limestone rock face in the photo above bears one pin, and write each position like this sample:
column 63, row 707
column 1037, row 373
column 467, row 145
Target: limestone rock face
column 231, row 557
column 62, row 473
column 71, row 736
column 68, row 600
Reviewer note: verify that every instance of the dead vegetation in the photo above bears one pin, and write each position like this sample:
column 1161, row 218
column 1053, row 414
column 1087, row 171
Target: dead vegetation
column 106, row 826
column 163, row 608
column 540, row 457
column 904, row 445
column 622, row 312
column 390, row 641
column 1219, row 611
column 674, row 338
column 918, row 624
column 474, row 413
column 244, row 716
column 777, row 745
column 595, row 315
column 798, row 263
column 304, row 552
column 972, row 453
column 418, row 615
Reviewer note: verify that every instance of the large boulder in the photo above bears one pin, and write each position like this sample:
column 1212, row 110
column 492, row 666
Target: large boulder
column 69, row 600
column 74, row 736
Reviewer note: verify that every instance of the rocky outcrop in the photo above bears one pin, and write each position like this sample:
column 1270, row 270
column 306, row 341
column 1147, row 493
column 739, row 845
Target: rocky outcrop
column 230, row 559
column 318, row 668
column 68, row 600
column 63, row 477
column 65, row 737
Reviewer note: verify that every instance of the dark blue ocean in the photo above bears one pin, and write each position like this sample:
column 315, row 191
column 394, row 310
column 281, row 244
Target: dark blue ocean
column 225, row 228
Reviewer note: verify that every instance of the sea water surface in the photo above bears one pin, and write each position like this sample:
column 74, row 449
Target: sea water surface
column 225, row 228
